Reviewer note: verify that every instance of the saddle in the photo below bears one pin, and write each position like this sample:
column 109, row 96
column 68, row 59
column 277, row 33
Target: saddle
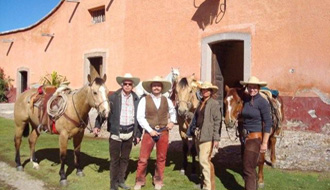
column 51, row 103
column 39, row 100
column 275, row 107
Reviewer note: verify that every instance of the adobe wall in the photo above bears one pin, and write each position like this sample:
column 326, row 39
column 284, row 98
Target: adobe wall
column 289, row 43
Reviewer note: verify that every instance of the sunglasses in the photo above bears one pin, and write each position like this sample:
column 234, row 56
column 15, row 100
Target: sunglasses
column 127, row 84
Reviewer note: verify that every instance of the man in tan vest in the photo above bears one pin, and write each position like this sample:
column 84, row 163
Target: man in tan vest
column 156, row 115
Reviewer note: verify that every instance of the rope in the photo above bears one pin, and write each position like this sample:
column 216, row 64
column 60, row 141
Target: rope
column 57, row 113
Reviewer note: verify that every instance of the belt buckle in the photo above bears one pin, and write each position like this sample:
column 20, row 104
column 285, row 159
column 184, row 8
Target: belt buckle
column 245, row 133
column 157, row 127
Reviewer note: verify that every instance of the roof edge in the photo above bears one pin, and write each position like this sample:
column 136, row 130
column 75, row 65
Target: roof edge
column 35, row 24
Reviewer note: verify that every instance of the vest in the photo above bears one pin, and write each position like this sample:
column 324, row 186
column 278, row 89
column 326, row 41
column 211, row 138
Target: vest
column 156, row 116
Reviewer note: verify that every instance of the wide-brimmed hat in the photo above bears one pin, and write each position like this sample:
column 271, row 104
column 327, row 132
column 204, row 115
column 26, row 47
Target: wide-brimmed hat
column 128, row 76
column 208, row 85
column 166, row 84
column 253, row 80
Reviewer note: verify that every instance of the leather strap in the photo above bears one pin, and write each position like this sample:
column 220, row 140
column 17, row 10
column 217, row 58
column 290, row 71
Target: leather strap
column 72, row 121
column 254, row 135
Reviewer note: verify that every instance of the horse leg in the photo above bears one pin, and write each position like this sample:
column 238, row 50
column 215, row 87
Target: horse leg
column 32, row 142
column 272, row 143
column 20, row 127
column 63, row 141
column 261, row 170
column 193, row 152
column 185, row 148
column 77, row 145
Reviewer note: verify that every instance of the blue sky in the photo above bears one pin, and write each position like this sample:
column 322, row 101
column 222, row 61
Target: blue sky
column 15, row 14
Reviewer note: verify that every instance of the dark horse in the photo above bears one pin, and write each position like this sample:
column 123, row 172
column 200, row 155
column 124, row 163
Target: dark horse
column 70, row 125
column 234, row 105
column 186, row 102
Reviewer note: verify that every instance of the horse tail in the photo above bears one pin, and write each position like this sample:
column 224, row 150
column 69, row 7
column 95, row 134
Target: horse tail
column 26, row 130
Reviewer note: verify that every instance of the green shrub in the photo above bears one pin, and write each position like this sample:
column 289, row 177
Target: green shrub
column 54, row 79
column 4, row 86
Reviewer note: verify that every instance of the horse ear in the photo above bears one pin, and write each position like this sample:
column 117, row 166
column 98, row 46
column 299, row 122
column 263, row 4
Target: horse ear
column 89, row 78
column 226, row 88
column 104, row 77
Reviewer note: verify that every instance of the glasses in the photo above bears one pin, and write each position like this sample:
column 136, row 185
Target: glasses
column 127, row 84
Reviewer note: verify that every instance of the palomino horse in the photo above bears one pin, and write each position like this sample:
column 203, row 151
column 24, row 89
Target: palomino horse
column 187, row 102
column 233, row 107
column 70, row 125
column 172, row 77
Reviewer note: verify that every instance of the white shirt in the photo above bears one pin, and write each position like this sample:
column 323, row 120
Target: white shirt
column 141, row 111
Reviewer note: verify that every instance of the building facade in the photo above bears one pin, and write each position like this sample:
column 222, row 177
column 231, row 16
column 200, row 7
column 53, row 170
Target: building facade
column 285, row 43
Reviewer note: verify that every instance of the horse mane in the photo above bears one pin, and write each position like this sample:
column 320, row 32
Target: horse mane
column 183, row 82
column 99, row 81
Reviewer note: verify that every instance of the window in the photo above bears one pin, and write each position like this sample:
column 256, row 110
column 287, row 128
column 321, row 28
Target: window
column 98, row 14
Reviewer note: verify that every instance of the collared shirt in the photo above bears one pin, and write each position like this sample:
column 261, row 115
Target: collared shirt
column 127, row 109
column 141, row 112
column 126, row 116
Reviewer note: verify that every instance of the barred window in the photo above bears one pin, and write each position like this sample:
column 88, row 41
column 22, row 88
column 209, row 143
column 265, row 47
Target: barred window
column 98, row 14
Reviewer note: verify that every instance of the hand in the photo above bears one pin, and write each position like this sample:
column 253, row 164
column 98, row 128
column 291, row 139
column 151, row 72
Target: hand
column 96, row 131
column 263, row 147
column 216, row 144
column 137, row 140
column 154, row 133
column 169, row 126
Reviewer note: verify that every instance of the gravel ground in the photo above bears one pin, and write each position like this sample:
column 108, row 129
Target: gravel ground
column 296, row 150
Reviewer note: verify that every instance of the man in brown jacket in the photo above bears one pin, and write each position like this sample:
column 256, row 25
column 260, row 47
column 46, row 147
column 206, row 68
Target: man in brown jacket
column 152, row 115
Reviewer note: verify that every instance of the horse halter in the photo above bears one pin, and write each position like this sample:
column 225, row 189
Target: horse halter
column 97, row 106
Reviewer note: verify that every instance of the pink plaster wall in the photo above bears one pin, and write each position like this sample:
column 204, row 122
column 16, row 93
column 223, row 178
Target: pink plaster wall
column 147, row 38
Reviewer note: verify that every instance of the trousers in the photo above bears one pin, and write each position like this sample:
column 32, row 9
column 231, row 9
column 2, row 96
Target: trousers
column 250, row 162
column 147, row 145
column 119, row 158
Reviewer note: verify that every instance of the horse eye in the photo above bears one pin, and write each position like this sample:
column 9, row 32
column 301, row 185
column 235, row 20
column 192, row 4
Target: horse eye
column 95, row 93
column 238, row 102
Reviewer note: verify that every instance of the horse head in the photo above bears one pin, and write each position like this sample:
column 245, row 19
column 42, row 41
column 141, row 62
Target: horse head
column 98, row 95
column 186, row 89
column 233, row 106
column 175, row 74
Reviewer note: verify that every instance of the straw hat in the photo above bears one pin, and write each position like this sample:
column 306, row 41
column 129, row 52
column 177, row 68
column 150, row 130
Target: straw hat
column 208, row 85
column 254, row 80
column 166, row 84
column 128, row 76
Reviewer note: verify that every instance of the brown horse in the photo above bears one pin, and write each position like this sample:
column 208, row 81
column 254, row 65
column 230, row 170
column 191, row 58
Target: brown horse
column 70, row 125
column 186, row 102
column 233, row 107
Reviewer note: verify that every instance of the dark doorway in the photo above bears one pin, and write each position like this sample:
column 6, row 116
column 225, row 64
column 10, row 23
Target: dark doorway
column 227, row 65
column 23, row 79
column 95, row 67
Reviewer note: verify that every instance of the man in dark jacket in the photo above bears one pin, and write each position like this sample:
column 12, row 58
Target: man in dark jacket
column 123, row 128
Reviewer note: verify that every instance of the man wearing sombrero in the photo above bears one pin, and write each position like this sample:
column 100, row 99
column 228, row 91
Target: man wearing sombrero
column 123, row 128
column 257, row 123
column 154, row 113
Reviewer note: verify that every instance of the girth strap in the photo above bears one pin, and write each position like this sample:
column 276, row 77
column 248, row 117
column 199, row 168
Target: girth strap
column 77, row 124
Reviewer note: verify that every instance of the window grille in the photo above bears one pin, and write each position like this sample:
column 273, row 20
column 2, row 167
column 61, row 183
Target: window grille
column 98, row 15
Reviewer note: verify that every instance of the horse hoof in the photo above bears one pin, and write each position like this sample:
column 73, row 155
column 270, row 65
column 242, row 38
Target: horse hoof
column 274, row 165
column 35, row 166
column 261, row 185
column 182, row 171
column 80, row 174
column 19, row 168
column 64, row 182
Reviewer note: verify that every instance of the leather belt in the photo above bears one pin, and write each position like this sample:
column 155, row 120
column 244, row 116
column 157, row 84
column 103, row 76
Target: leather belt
column 254, row 135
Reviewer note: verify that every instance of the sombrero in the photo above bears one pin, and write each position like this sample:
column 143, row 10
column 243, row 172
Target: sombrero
column 208, row 85
column 254, row 80
column 128, row 76
column 166, row 84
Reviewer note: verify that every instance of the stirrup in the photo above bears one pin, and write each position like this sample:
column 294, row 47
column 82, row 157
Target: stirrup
column 41, row 128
